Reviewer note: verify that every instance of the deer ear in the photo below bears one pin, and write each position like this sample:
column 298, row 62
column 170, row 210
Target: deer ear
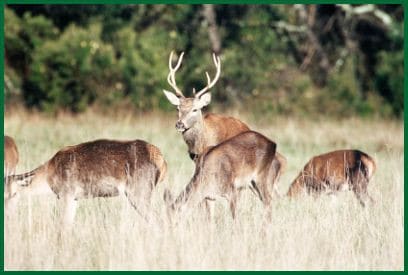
column 204, row 100
column 172, row 98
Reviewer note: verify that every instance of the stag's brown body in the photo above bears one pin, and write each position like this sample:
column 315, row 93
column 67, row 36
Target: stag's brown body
column 100, row 168
column 212, row 130
column 10, row 156
column 334, row 171
column 244, row 160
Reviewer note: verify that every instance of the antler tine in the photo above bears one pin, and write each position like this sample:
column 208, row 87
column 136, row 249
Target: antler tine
column 171, row 79
column 170, row 59
column 208, row 78
column 210, row 83
column 216, row 60
column 178, row 62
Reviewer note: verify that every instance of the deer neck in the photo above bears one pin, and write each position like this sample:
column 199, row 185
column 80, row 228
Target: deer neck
column 195, row 137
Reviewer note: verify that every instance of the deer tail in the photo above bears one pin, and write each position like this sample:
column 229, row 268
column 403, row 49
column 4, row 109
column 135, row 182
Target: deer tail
column 24, row 179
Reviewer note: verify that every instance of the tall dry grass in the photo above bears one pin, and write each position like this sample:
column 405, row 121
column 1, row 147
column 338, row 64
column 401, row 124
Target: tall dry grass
column 327, row 233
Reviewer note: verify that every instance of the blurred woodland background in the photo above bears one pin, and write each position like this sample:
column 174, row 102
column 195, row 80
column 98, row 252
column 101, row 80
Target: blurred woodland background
column 336, row 60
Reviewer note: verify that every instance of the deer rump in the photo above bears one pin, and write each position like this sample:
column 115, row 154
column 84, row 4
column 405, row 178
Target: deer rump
column 335, row 171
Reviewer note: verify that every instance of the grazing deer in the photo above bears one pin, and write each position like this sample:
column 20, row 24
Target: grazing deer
column 245, row 160
column 100, row 168
column 335, row 170
column 10, row 156
column 201, row 131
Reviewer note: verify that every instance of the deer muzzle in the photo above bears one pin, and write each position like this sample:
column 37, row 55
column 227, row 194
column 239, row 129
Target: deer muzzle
column 180, row 126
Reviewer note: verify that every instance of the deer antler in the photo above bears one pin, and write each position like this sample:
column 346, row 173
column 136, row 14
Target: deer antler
column 210, row 84
column 171, row 79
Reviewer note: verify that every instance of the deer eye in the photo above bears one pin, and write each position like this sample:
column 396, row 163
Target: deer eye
column 195, row 110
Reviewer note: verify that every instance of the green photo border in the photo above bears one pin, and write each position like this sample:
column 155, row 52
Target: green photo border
column 207, row 2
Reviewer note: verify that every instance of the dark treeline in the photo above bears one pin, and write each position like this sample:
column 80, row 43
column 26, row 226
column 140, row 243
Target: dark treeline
column 334, row 59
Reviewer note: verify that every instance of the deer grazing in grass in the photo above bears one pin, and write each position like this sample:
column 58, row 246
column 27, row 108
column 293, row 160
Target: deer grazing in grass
column 10, row 156
column 245, row 160
column 334, row 171
column 100, row 168
column 201, row 131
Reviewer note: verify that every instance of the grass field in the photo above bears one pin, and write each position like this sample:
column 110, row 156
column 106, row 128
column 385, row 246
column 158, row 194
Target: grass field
column 327, row 233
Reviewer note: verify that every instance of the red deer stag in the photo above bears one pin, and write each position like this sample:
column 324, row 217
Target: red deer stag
column 201, row 131
column 100, row 168
column 10, row 156
column 335, row 170
column 244, row 160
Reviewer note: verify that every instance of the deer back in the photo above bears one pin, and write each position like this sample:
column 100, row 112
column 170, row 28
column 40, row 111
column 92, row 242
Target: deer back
column 89, row 163
column 219, row 128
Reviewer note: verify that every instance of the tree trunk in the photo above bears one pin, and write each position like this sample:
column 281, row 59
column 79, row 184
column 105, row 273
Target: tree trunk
column 214, row 36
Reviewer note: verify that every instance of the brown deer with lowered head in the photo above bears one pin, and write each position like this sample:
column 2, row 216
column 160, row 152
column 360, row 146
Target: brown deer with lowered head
column 100, row 168
column 245, row 160
column 10, row 156
column 335, row 171
column 201, row 131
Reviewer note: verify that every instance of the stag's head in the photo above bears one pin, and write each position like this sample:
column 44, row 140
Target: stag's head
column 189, row 108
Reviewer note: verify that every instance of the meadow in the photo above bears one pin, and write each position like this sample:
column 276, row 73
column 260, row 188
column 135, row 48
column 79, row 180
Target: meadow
column 324, row 233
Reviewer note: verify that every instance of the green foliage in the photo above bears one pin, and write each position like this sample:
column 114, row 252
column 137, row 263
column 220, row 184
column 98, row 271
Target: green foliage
column 145, row 69
column 72, row 71
column 347, row 95
column 23, row 35
column 343, row 96
column 390, row 79
column 69, row 57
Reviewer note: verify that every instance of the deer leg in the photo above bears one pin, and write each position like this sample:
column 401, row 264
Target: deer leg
column 10, row 206
column 267, row 202
column 233, row 203
column 363, row 179
column 277, row 169
column 359, row 190
column 360, row 199
column 189, row 204
column 209, row 207
column 276, row 192
column 255, row 190
column 139, row 204
column 370, row 198
column 359, row 183
column 263, row 193
column 69, row 210
column 265, row 187
column 138, row 190
column 273, row 176
column 193, row 156
column 69, row 206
